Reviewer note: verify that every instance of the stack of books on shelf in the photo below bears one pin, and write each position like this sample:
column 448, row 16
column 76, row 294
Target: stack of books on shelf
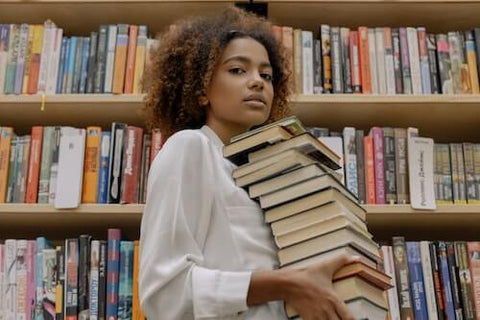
column 81, row 278
column 311, row 214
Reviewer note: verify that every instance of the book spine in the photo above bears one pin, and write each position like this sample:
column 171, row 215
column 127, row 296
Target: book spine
column 350, row 159
column 11, row 68
column 6, row 135
column 4, row 35
column 71, row 279
column 12, row 164
column 41, row 244
column 131, row 164
column 414, row 56
column 369, row 170
column 476, row 161
column 22, row 53
column 52, row 193
column 54, row 66
column 125, row 280
column 468, row 157
column 31, row 251
column 297, row 60
column 21, row 280
column 307, row 62
column 364, row 60
column 28, row 58
column 445, row 279
column 49, row 283
column 345, row 59
column 113, row 265
column 389, row 165
column 473, row 247
column 416, row 280
column 446, row 173
column 103, row 173
column 99, row 83
column 402, row 277
column 91, row 165
column 35, row 59
column 94, row 277
column 461, row 173
column 373, row 60
column 444, row 65
column 433, row 62
column 77, row 66
column 456, row 61
column 397, row 61
column 389, row 63
column 156, row 143
column 84, row 277
column 428, row 280
column 115, row 164
column 455, row 178
column 120, row 58
column 378, row 155
column 360, row 148
column 10, row 293
column 401, row 165
column 471, row 60
column 14, row 183
column 355, row 62
column 454, row 280
column 326, row 58
column 141, row 52
column 424, row 64
column 147, row 144
column 317, row 67
column 405, row 58
column 102, row 280
column 46, row 59
column 393, row 307
column 2, row 275
column 27, row 141
column 84, row 65
column 465, row 280
column 380, row 51
column 62, row 83
column 60, row 291
column 92, row 62
column 110, row 60
column 464, row 70
column 131, row 50
column 437, row 173
column 70, row 65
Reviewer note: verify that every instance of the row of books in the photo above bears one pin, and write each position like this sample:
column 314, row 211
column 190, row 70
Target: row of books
column 43, row 281
column 434, row 279
column 311, row 214
column 383, row 60
column 41, row 59
column 378, row 167
column 66, row 166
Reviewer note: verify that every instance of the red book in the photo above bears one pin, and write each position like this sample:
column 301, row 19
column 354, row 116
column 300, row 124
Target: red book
column 132, row 157
column 34, row 165
column 131, row 52
column 364, row 60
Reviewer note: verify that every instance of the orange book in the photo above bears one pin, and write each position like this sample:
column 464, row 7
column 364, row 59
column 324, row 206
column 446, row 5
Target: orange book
column 36, row 55
column 140, row 59
column 131, row 51
column 34, row 164
column 6, row 134
column 364, row 60
column 91, row 165
column 136, row 310
column 369, row 170
column 120, row 59
column 156, row 144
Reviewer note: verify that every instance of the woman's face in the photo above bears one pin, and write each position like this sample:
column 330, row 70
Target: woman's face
column 241, row 91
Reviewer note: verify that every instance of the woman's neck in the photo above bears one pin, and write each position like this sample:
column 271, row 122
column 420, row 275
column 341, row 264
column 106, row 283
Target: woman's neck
column 226, row 131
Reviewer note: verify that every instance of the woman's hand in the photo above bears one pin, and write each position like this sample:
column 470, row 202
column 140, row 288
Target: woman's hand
column 311, row 291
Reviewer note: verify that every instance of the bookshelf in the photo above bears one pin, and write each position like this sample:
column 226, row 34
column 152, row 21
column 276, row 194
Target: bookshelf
column 444, row 118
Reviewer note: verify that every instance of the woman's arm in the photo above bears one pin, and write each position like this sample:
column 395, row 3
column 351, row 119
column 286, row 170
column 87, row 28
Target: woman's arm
column 308, row 290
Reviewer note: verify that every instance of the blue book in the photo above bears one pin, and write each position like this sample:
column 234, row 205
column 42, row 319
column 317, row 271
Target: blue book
column 416, row 280
column 65, row 66
column 126, row 281
column 113, row 268
column 61, row 67
column 445, row 279
column 71, row 64
column 102, row 193
column 84, row 65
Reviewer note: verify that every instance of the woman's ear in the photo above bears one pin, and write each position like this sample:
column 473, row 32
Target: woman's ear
column 203, row 101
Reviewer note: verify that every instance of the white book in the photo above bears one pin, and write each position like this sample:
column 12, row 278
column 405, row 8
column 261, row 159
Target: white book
column 10, row 291
column 392, row 293
column 414, row 57
column 47, row 50
column 428, row 280
column 4, row 31
column 420, row 173
column 70, row 168
column 336, row 144
column 21, row 275
column 389, row 67
column 307, row 61
column 372, row 58
column 110, row 62
column 54, row 66
column 94, row 278
column 350, row 154
column 381, row 75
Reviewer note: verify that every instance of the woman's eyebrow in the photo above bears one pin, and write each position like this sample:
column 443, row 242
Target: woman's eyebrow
column 245, row 59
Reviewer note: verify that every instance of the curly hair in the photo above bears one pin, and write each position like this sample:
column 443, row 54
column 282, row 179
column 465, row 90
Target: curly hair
column 183, row 64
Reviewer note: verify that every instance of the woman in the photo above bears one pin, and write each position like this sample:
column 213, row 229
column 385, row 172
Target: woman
column 205, row 250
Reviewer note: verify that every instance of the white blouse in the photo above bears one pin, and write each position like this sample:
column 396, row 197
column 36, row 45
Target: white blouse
column 201, row 236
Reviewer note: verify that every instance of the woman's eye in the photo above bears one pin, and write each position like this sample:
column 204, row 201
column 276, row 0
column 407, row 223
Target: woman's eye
column 236, row 70
column 267, row 76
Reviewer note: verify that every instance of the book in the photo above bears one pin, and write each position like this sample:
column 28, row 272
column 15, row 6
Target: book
column 307, row 144
column 301, row 189
column 420, row 163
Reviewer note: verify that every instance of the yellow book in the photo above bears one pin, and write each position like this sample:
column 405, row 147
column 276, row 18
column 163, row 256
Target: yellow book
column 91, row 165
column 28, row 57
column 35, row 58
column 6, row 134
column 120, row 59
column 140, row 59
column 136, row 310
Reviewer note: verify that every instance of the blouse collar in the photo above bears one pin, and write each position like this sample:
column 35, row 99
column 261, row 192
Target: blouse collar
column 214, row 138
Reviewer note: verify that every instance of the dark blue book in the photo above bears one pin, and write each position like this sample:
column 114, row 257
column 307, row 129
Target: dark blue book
column 445, row 280
column 126, row 281
column 416, row 280
column 102, row 194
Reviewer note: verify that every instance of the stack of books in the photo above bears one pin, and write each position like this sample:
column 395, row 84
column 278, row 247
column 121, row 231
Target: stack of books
column 311, row 214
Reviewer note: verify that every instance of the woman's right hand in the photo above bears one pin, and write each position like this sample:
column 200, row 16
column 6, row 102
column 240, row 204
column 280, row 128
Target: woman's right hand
column 311, row 292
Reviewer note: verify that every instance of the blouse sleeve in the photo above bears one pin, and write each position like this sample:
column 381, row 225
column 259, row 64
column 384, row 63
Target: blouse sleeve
column 172, row 282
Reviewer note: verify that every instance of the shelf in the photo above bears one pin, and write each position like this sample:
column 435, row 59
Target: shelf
column 384, row 221
column 29, row 221
column 80, row 110
column 448, row 222
column 446, row 118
